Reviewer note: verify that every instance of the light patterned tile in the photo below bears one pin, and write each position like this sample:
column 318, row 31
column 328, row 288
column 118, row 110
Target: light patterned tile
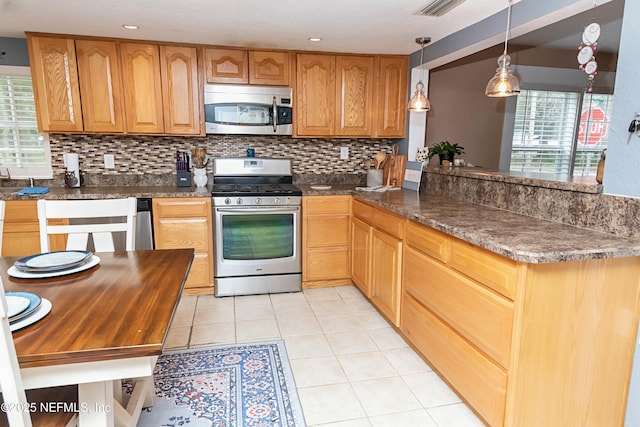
column 315, row 371
column 254, row 312
column 386, row 338
column 220, row 333
column 303, row 346
column 299, row 325
column 417, row 418
column 430, row 389
column 406, row 361
column 366, row 366
column 321, row 294
column 178, row 337
column 257, row 330
column 351, row 342
column 339, row 323
column 329, row 307
column 330, row 403
column 457, row 415
column 385, row 396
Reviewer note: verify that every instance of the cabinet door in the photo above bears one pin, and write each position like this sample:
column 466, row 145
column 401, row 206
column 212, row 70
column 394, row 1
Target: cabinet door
column 227, row 66
column 101, row 86
column 386, row 262
column 354, row 95
column 360, row 261
column 55, row 84
column 269, row 68
column 180, row 93
column 187, row 223
column 391, row 97
column 142, row 87
column 315, row 95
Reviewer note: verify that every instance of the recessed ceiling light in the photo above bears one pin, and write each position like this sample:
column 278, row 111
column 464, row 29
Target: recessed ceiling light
column 130, row 27
column 315, row 39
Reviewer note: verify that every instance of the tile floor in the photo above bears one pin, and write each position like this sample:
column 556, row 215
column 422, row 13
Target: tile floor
column 351, row 368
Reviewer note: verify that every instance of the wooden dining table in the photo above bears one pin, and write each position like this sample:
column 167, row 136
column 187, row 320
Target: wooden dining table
column 106, row 324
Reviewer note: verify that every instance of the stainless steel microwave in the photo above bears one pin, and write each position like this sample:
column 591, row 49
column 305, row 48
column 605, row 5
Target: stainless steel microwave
column 255, row 110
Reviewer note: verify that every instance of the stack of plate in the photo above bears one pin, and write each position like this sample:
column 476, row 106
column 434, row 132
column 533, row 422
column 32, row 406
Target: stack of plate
column 52, row 264
column 25, row 308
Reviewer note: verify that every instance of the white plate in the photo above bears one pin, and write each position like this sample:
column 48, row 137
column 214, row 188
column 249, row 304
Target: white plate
column 320, row 187
column 14, row 272
column 43, row 310
column 50, row 261
column 16, row 305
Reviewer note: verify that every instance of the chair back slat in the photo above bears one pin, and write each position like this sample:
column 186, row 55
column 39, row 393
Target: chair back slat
column 108, row 210
column 13, row 392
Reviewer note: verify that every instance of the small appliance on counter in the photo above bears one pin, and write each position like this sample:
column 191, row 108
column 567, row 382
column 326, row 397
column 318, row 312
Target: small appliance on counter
column 72, row 178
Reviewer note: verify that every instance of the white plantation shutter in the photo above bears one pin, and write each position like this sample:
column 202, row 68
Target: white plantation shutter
column 547, row 137
column 543, row 135
column 23, row 150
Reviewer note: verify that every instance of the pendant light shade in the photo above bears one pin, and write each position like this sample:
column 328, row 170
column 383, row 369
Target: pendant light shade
column 419, row 101
column 504, row 83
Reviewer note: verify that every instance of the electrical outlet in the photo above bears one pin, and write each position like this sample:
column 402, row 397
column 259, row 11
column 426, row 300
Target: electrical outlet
column 344, row 153
column 109, row 161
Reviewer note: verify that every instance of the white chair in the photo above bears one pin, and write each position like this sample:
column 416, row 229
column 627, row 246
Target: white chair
column 13, row 392
column 2, row 205
column 99, row 213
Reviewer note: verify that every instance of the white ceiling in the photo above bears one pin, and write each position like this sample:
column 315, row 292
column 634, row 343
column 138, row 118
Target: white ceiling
column 373, row 26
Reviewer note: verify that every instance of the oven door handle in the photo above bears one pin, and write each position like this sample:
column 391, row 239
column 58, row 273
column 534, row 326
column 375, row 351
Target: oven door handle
column 258, row 210
column 275, row 115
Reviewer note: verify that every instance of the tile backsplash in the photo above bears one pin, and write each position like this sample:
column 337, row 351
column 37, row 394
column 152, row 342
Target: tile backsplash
column 144, row 155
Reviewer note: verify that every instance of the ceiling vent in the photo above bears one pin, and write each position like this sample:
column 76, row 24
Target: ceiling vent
column 439, row 7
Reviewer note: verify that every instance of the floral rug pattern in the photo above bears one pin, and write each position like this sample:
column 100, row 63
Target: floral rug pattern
column 238, row 385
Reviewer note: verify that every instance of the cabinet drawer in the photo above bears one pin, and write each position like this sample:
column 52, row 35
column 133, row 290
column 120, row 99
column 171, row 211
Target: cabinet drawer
column 478, row 314
column 183, row 233
column 481, row 382
column 495, row 271
column 379, row 218
column 326, row 264
column 185, row 207
column 326, row 205
column 327, row 230
column 425, row 239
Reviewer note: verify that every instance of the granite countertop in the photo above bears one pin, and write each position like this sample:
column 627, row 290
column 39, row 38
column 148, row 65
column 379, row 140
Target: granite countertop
column 519, row 237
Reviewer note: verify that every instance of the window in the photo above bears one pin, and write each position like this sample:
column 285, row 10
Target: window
column 560, row 132
column 24, row 152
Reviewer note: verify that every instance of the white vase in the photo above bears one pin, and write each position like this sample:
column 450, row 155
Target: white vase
column 200, row 177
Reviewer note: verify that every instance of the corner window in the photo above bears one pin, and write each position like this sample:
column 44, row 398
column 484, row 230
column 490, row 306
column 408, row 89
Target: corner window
column 560, row 132
column 24, row 152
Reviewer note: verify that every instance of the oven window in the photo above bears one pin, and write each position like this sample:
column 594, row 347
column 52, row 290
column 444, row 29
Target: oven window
column 239, row 114
column 261, row 236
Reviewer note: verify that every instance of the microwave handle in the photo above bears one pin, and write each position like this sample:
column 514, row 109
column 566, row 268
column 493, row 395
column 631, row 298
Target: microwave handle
column 275, row 115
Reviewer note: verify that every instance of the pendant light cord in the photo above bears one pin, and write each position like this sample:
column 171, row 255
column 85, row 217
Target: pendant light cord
column 506, row 33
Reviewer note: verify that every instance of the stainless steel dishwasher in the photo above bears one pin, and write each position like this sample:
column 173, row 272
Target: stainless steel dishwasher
column 143, row 228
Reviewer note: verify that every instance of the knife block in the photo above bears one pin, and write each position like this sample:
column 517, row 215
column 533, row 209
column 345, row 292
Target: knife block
column 183, row 179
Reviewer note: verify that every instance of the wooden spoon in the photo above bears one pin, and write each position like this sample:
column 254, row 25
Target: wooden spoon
column 367, row 164
column 379, row 159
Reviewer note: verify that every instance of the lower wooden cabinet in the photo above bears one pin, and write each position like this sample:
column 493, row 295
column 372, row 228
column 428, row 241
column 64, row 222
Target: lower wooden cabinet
column 376, row 245
column 21, row 233
column 523, row 344
column 186, row 223
column 325, row 240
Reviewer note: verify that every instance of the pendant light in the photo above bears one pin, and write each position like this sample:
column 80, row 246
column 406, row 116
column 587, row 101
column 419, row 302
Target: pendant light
column 418, row 101
column 504, row 83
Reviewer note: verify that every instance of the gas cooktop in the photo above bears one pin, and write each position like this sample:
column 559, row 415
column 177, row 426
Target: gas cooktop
column 227, row 190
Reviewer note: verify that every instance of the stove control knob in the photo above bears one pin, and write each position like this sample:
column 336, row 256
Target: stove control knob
column 227, row 201
column 276, row 200
column 258, row 201
column 239, row 201
column 288, row 200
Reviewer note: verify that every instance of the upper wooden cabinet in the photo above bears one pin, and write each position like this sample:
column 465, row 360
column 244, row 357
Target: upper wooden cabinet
column 239, row 66
column 142, row 87
column 351, row 96
column 391, row 97
column 180, row 90
column 354, row 95
column 100, row 85
column 315, row 95
column 55, row 84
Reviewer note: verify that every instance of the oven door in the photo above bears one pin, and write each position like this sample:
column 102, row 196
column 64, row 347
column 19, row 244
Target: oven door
column 257, row 241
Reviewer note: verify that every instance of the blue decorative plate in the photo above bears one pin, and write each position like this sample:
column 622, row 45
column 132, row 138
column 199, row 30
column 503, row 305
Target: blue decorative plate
column 34, row 303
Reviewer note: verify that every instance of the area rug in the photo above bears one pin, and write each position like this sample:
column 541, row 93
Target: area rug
column 237, row 385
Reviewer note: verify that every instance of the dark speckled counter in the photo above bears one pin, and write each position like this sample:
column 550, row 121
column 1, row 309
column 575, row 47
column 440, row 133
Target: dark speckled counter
column 519, row 237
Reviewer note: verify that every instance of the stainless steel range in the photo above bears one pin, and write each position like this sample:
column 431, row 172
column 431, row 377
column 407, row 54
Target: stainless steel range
column 257, row 220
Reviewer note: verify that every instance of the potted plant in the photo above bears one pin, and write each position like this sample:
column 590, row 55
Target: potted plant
column 445, row 151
